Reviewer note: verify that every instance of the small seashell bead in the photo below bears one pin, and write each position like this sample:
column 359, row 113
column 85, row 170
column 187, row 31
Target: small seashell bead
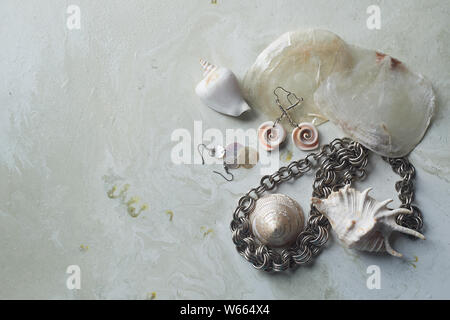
column 305, row 136
column 270, row 136
column 277, row 220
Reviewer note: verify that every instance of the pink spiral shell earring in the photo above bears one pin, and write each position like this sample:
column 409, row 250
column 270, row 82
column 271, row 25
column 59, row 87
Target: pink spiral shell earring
column 305, row 136
column 271, row 134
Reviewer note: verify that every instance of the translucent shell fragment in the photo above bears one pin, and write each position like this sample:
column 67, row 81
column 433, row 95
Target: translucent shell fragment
column 231, row 155
column 247, row 157
column 297, row 61
column 379, row 103
column 372, row 96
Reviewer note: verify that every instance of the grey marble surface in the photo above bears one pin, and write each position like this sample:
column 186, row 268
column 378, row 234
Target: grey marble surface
column 84, row 110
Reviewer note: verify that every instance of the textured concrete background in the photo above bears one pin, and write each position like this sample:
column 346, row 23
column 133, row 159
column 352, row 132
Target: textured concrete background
column 84, row 110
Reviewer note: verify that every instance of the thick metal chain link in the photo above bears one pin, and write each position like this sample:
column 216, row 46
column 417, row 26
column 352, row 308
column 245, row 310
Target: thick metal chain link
column 405, row 189
column 339, row 163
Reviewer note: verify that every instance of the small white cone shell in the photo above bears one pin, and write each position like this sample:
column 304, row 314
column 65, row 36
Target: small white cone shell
column 219, row 90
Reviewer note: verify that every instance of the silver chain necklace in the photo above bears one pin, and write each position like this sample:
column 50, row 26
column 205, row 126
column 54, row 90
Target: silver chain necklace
column 339, row 163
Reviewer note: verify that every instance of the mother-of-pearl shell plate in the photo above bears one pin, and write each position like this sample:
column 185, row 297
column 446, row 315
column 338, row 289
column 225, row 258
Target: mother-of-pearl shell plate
column 297, row 61
column 373, row 97
column 379, row 102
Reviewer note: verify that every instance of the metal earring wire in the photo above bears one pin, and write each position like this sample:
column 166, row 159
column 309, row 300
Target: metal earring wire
column 211, row 152
column 305, row 135
column 284, row 112
column 225, row 167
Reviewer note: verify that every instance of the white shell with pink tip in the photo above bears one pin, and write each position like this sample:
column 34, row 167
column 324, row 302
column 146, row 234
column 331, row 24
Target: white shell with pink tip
column 220, row 90
column 360, row 221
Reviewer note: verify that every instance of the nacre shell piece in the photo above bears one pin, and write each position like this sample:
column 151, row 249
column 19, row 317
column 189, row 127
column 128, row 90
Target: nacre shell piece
column 247, row 157
column 306, row 136
column 277, row 220
column 219, row 152
column 220, row 90
column 360, row 221
column 379, row 103
column 269, row 136
column 231, row 155
column 373, row 97
column 297, row 61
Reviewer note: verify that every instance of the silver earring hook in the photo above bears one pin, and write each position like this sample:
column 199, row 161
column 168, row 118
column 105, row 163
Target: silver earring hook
column 288, row 95
column 227, row 172
column 284, row 110
column 210, row 151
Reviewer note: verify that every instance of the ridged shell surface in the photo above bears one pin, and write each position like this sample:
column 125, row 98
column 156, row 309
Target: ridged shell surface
column 277, row 220
column 360, row 221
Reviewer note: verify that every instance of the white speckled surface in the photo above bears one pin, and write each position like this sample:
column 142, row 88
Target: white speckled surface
column 84, row 109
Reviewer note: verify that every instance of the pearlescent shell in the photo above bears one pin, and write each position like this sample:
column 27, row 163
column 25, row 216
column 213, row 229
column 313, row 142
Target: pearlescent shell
column 277, row 220
column 360, row 221
column 270, row 136
column 219, row 152
column 231, row 154
column 380, row 103
column 247, row 157
column 306, row 136
column 298, row 61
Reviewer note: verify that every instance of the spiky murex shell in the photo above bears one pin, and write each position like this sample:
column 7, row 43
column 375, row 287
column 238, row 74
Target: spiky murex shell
column 360, row 221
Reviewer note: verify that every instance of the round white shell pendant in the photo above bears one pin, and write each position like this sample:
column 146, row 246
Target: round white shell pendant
column 219, row 152
column 277, row 220
column 305, row 136
column 270, row 136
